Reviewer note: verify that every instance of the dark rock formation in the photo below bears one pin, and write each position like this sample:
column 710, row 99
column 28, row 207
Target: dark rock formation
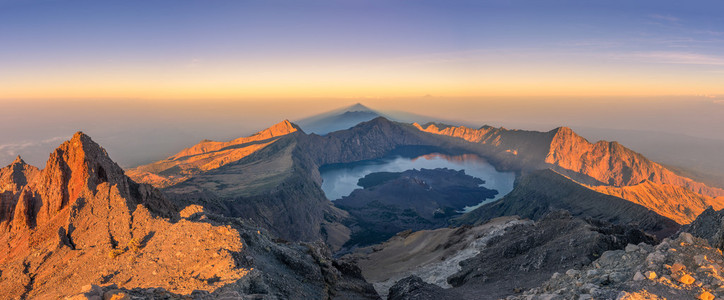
column 413, row 288
column 709, row 225
column 527, row 255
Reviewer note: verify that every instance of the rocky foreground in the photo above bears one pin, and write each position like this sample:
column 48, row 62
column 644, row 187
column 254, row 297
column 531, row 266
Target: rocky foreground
column 556, row 258
column 683, row 268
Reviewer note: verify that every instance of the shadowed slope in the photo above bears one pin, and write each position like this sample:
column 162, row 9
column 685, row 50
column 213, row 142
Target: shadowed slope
column 539, row 192
column 265, row 177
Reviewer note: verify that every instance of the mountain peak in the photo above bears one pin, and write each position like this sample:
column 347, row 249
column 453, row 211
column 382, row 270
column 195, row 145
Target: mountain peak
column 78, row 164
column 82, row 142
column 16, row 175
column 379, row 120
column 18, row 160
column 282, row 128
column 563, row 130
column 358, row 107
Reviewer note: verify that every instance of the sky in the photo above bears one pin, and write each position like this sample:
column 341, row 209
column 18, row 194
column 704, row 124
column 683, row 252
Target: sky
column 147, row 78
column 252, row 49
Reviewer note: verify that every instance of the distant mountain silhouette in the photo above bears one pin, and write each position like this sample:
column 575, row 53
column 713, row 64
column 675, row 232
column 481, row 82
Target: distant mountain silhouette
column 338, row 119
column 348, row 117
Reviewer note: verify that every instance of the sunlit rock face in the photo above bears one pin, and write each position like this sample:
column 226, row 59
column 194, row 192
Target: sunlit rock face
column 677, row 203
column 13, row 178
column 81, row 221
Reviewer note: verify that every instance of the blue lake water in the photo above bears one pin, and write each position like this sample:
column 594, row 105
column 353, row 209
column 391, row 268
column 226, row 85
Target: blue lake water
column 341, row 179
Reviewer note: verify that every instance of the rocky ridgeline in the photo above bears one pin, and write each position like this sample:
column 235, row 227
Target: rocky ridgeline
column 683, row 268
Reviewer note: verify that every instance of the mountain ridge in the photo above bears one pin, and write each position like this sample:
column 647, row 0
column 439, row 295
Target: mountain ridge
column 600, row 163
column 207, row 155
column 273, row 176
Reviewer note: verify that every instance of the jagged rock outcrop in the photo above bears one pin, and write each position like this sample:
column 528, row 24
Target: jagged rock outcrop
column 540, row 192
column 76, row 170
column 16, row 175
column 81, row 211
column 709, row 225
column 13, row 178
column 414, row 288
column 607, row 163
column 684, row 268
column 86, row 230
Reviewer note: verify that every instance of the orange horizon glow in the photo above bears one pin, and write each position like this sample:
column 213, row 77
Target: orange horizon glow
column 541, row 88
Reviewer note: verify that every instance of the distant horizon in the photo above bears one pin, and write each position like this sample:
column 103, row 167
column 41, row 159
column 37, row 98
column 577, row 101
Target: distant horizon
column 343, row 49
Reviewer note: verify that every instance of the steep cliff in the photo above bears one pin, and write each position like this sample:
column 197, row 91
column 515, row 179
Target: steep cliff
column 80, row 212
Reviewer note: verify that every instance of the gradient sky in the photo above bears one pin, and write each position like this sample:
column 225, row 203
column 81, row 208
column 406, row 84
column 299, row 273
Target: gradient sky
column 281, row 49
column 147, row 78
